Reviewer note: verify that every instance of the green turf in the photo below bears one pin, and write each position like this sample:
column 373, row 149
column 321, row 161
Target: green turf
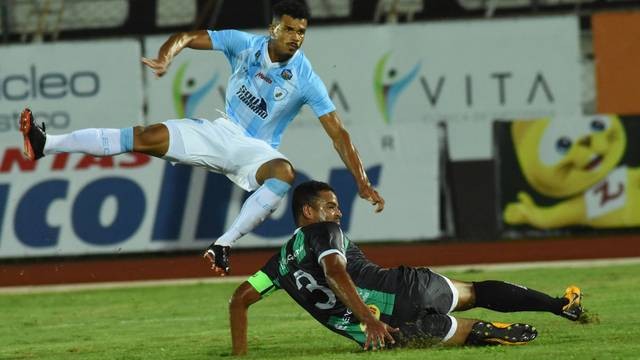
column 191, row 322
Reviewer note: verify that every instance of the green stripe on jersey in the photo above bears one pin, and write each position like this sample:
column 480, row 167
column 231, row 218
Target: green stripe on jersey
column 262, row 283
column 283, row 267
column 298, row 247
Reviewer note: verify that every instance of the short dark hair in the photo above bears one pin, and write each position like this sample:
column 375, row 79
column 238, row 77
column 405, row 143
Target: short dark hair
column 297, row 9
column 305, row 194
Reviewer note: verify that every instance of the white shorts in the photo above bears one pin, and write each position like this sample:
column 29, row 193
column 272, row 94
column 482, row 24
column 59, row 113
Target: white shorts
column 219, row 146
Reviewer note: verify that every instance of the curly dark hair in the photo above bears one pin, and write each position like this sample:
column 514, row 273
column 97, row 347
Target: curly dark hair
column 297, row 9
column 306, row 194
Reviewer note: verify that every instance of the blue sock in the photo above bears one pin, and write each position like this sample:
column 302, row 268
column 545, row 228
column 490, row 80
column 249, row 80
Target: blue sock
column 126, row 139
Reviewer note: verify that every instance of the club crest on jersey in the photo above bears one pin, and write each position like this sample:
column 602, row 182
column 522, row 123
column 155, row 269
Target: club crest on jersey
column 286, row 74
column 279, row 93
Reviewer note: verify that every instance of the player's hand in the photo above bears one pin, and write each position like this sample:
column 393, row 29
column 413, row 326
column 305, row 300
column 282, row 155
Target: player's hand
column 159, row 67
column 377, row 334
column 371, row 195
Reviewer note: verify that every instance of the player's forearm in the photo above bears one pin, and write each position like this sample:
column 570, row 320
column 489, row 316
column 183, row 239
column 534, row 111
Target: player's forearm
column 174, row 45
column 351, row 159
column 345, row 290
column 238, row 319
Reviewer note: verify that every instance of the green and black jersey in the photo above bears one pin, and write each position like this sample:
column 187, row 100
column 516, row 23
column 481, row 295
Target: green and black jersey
column 297, row 270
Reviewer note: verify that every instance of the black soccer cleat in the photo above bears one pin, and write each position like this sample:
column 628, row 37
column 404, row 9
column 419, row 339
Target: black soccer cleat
column 219, row 256
column 495, row 333
column 34, row 136
column 573, row 310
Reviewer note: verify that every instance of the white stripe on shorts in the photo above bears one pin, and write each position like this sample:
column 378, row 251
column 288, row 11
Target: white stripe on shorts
column 454, row 292
column 452, row 329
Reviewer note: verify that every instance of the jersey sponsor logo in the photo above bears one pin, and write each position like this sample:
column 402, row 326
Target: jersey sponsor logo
column 293, row 256
column 279, row 93
column 256, row 104
column 376, row 313
column 286, row 74
column 284, row 261
column 262, row 76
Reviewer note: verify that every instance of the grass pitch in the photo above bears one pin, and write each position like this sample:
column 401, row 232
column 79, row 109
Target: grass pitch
column 191, row 322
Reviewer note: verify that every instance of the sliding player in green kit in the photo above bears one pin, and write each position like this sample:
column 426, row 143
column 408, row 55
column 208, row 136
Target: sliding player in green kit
column 330, row 277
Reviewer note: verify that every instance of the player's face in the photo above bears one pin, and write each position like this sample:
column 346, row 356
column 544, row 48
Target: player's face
column 287, row 36
column 326, row 208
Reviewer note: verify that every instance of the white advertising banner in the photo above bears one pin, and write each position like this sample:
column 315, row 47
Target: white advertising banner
column 63, row 204
column 466, row 73
column 71, row 85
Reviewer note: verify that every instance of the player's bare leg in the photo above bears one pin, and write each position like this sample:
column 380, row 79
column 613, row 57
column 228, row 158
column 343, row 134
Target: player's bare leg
column 275, row 177
column 466, row 295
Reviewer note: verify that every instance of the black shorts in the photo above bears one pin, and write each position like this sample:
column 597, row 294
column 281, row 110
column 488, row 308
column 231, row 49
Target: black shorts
column 424, row 300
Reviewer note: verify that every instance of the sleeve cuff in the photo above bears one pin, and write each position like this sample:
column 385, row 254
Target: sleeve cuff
column 215, row 40
column 329, row 252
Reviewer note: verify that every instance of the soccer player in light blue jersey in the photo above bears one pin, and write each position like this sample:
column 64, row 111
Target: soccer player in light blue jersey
column 271, row 80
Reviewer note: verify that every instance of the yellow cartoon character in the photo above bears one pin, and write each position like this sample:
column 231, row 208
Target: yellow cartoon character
column 575, row 162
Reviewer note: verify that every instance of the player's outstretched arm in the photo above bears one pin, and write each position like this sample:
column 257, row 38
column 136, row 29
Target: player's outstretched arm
column 350, row 157
column 335, row 271
column 198, row 39
column 242, row 298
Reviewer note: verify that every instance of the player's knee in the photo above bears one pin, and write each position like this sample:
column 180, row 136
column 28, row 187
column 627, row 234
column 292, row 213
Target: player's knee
column 141, row 136
column 152, row 139
column 283, row 170
column 280, row 169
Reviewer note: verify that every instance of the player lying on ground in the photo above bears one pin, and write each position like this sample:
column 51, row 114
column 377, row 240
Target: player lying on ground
column 329, row 276
column 270, row 82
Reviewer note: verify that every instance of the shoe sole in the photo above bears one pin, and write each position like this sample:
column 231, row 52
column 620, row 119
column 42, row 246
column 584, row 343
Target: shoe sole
column 511, row 334
column 25, row 127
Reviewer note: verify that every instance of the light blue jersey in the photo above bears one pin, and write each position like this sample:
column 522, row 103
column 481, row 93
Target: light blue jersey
column 262, row 96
